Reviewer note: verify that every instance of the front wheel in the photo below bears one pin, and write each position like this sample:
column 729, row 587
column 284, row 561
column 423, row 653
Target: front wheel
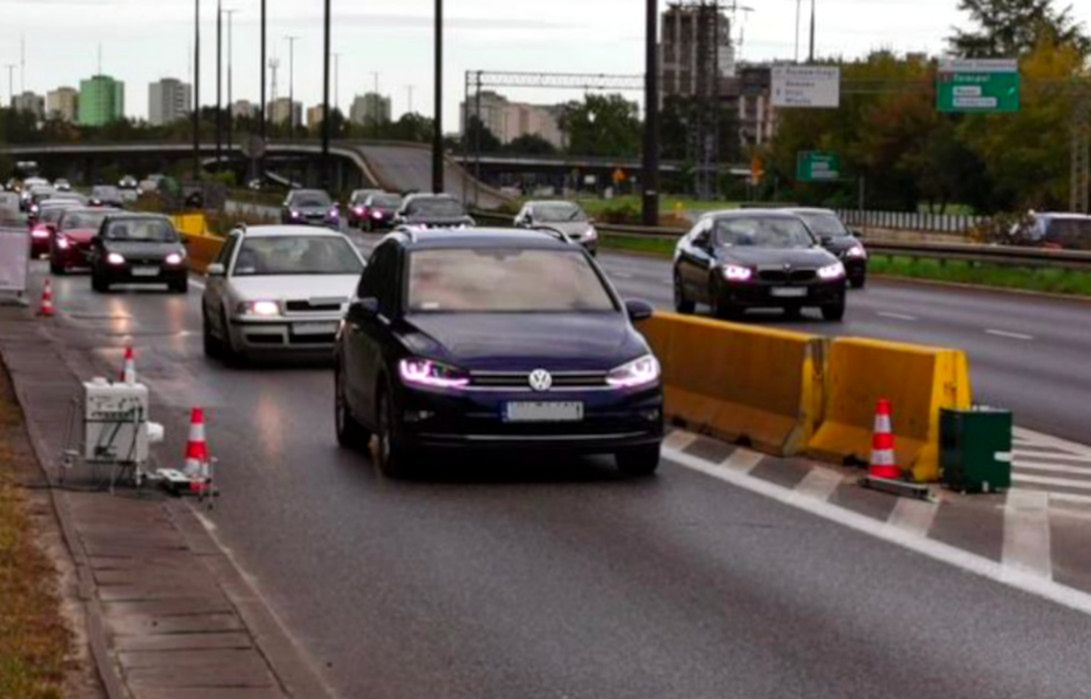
column 180, row 286
column 393, row 457
column 722, row 308
column 638, row 461
column 858, row 282
column 212, row 345
column 98, row 283
column 834, row 311
column 350, row 433
column 681, row 303
column 56, row 268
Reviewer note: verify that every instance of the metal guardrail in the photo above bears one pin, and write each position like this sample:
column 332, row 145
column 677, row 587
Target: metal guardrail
column 1009, row 255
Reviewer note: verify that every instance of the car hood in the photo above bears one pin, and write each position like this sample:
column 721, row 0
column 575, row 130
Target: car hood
column 801, row 258
column 141, row 249
column 569, row 228
column 80, row 235
column 294, row 286
column 524, row 341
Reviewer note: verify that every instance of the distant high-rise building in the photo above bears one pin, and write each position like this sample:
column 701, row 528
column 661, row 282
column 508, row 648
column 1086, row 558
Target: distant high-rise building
column 314, row 117
column 102, row 100
column 244, row 109
column 281, row 111
column 370, row 109
column 695, row 43
column 62, row 103
column 510, row 120
column 169, row 100
column 29, row 102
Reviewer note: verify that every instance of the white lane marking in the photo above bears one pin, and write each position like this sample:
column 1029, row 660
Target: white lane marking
column 679, row 439
column 1052, row 468
column 742, row 460
column 913, row 517
column 1044, row 440
column 896, row 316
column 1070, row 497
column 1020, row 477
column 819, row 483
column 1042, row 456
column 199, row 285
column 945, row 553
column 621, row 275
column 1008, row 334
column 1026, row 533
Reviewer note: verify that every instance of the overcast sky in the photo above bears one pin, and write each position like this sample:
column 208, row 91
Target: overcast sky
column 143, row 40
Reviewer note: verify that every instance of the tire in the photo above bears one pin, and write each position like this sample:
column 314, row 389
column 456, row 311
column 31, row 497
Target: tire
column 858, row 282
column 350, row 433
column 181, row 286
column 55, row 268
column 392, row 456
column 214, row 348
column 721, row 307
column 638, row 461
column 681, row 303
column 834, row 311
column 98, row 283
column 227, row 346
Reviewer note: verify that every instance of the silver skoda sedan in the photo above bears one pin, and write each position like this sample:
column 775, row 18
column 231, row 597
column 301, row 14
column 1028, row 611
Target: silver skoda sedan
column 278, row 290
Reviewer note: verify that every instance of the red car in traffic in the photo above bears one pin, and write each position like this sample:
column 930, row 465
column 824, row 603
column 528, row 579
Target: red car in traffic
column 70, row 244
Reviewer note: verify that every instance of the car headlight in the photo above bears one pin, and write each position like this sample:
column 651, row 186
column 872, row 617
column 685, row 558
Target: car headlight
column 432, row 374
column 639, row 372
column 115, row 259
column 376, row 215
column 173, row 259
column 334, row 213
column 265, row 309
column 738, row 273
column 62, row 242
column 856, row 251
column 830, row 272
column 39, row 233
column 293, row 213
column 359, row 210
column 590, row 234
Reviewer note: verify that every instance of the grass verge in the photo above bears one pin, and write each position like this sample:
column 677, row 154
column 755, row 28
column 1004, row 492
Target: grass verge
column 34, row 641
column 1047, row 280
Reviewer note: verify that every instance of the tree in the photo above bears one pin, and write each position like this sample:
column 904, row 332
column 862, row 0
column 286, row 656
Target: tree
column 601, row 125
column 479, row 138
column 1009, row 28
column 530, row 144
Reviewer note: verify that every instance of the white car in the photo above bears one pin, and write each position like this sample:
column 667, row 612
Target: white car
column 278, row 290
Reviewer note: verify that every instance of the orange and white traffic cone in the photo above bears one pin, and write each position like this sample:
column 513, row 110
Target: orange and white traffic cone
column 883, row 463
column 196, row 468
column 128, row 370
column 46, row 309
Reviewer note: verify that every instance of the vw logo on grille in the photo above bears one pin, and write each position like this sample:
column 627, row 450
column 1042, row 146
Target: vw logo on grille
column 541, row 380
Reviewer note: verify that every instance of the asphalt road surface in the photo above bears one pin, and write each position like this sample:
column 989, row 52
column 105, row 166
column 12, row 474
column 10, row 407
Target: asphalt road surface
column 512, row 577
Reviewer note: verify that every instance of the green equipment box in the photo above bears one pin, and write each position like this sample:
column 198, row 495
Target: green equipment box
column 975, row 449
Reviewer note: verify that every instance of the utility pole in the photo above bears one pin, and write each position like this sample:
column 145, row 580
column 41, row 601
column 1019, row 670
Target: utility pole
column 230, row 117
column 437, row 136
column 1079, row 193
column 291, row 81
column 409, row 91
column 11, row 84
column 799, row 11
column 336, row 80
column 219, row 80
column 326, row 173
column 196, row 90
column 23, row 62
column 261, row 110
column 811, row 55
column 649, row 180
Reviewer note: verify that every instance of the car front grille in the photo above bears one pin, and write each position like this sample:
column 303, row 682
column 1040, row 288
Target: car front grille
column 780, row 276
column 520, row 380
column 313, row 305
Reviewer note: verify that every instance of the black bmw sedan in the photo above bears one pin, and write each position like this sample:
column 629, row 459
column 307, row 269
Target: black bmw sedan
column 838, row 239
column 494, row 339
column 138, row 249
column 756, row 258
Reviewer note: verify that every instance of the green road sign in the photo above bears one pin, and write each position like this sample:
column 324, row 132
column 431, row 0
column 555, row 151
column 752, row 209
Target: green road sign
column 981, row 85
column 812, row 166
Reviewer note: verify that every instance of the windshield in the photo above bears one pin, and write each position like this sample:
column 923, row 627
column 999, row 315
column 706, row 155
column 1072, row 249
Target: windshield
column 824, row 224
column 386, row 201
column 435, row 206
column 763, row 232
column 558, row 212
column 361, row 195
column 147, row 230
column 82, row 221
column 1071, row 233
column 281, row 255
column 505, row 280
column 310, row 199
column 51, row 214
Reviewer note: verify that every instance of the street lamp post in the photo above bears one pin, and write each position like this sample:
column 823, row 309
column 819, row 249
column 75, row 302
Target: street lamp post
column 196, row 89
column 219, row 78
column 326, row 179
column 437, row 136
column 230, row 119
column 650, row 177
column 291, row 81
column 261, row 111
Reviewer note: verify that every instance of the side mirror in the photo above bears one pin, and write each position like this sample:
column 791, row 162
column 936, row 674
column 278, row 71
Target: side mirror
column 215, row 270
column 638, row 310
column 857, row 233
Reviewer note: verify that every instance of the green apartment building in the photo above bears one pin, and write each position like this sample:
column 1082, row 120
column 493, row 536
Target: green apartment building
column 102, row 100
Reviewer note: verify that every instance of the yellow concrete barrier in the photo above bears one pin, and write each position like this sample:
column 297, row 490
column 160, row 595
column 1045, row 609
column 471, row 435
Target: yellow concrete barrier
column 918, row 381
column 190, row 224
column 202, row 244
column 739, row 382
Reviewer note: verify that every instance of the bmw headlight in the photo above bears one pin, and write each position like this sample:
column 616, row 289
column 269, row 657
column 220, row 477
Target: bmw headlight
column 738, row 273
column 639, row 372
column 831, row 272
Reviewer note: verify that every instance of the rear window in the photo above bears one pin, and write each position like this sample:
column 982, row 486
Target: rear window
column 505, row 280
column 141, row 230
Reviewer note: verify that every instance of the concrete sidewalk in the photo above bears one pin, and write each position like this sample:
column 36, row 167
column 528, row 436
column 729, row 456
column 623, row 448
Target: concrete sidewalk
column 168, row 613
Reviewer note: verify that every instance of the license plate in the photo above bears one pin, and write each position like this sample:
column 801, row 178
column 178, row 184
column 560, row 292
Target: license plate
column 551, row 411
column 788, row 292
column 314, row 328
column 145, row 271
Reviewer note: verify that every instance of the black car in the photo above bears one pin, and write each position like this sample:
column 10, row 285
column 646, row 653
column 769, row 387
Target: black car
column 375, row 211
column 432, row 211
column 835, row 237
column 310, row 207
column 138, row 249
column 735, row 260
column 496, row 339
